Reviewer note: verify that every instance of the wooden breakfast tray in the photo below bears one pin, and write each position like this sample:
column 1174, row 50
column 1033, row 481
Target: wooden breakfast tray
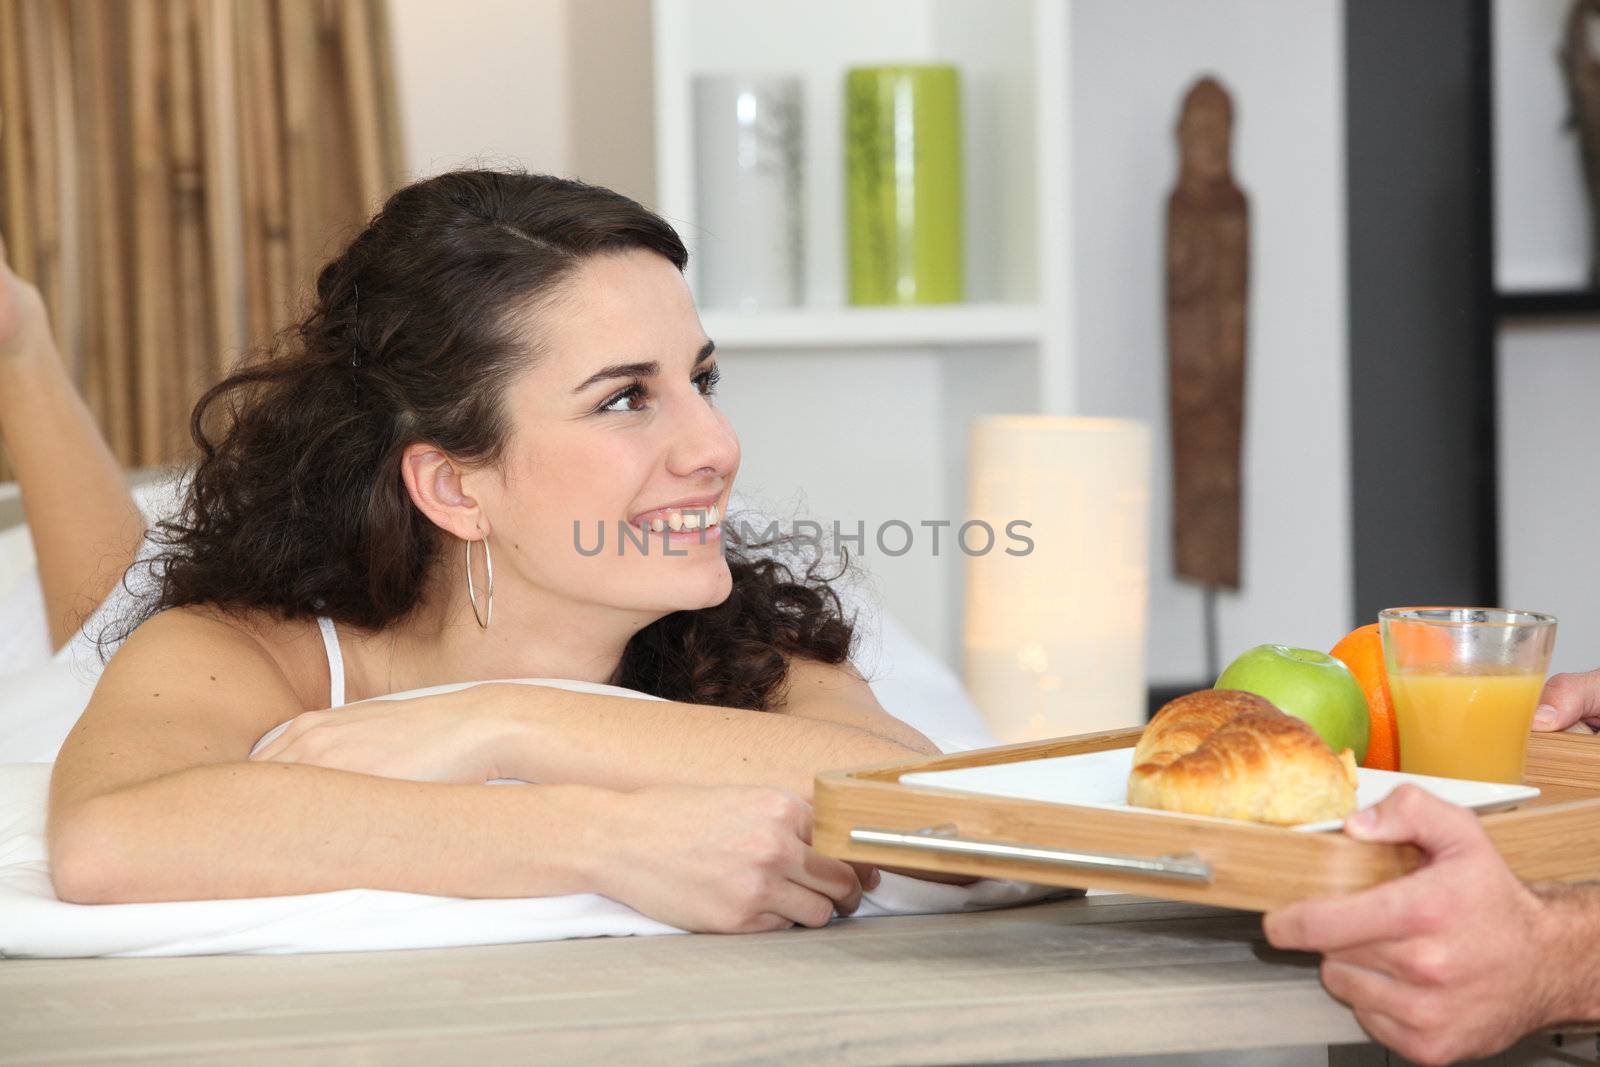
column 869, row 816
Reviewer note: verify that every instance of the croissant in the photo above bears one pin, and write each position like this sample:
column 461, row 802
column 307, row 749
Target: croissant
column 1233, row 754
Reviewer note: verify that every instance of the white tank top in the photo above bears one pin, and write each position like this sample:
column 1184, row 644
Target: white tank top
column 330, row 641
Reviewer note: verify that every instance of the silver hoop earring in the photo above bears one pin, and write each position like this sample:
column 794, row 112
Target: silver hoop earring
column 472, row 592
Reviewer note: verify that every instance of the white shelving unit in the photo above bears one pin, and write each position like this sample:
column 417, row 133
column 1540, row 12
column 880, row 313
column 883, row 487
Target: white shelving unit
column 861, row 414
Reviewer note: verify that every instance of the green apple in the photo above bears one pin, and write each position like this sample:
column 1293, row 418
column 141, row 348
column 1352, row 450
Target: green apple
column 1309, row 685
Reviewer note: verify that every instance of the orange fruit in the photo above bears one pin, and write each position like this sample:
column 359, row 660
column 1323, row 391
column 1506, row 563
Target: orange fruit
column 1362, row 651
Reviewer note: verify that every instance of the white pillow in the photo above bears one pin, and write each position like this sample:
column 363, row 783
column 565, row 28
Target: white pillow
column 24, row 625
column 911, row 683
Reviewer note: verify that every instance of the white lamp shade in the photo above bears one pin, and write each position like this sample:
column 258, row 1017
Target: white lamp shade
column 1055, row 635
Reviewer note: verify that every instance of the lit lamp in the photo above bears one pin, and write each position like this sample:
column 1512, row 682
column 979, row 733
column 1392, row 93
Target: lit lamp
column 1055, row 632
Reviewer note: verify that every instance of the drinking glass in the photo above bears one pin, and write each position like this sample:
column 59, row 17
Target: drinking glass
column 1465, row 683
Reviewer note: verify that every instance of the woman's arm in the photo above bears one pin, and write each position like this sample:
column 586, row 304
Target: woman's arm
column 267, row 829
column 549, row 735
column 557, row 736
column 553, row 735
column 836, row 693
column 86, row 527
column 152, row 799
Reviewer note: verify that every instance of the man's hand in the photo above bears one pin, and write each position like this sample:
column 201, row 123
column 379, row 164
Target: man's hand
column 1569, row 699
column 1451, row 961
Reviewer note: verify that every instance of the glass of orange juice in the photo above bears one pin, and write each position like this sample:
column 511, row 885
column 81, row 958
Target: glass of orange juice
column 1465, row 683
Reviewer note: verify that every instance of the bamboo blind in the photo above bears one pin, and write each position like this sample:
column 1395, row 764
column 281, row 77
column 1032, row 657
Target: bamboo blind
column 172, row 174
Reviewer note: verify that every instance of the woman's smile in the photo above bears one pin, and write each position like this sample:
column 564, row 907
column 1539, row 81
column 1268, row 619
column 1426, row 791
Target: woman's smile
column 686, row 517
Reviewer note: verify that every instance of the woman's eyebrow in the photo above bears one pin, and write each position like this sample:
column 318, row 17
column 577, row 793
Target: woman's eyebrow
column 639, row 370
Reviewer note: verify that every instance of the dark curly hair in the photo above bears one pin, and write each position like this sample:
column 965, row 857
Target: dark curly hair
column 297, row 506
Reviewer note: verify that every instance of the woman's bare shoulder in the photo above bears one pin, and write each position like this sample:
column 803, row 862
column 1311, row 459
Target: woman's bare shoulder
column 838, row 693
column 201, row 633
column 190, row 686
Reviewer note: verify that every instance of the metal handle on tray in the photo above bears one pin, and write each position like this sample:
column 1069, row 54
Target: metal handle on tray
column 943, row 839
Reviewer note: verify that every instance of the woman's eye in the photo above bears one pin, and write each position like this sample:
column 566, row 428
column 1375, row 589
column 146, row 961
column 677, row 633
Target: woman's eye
column 706, row 381
column 632, row 392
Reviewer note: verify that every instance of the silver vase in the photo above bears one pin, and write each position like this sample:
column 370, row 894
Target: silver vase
column 747, row 132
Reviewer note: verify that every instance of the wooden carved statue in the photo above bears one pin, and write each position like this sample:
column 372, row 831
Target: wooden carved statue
column 1207, row 275
column 1582, row 71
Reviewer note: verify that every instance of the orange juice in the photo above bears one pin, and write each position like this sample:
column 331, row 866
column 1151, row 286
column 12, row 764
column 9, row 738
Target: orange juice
column 1464, row 725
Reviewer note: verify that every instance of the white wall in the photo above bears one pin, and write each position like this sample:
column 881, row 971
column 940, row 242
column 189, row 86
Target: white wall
column 1549, row 379
column 556, row 86
column 1284, row 65
column 610, row 71
column 482, row 84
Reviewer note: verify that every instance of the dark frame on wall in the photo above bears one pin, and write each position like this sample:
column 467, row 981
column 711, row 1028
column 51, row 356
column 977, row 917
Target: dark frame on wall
column 1423, row 308
column 1575, row 301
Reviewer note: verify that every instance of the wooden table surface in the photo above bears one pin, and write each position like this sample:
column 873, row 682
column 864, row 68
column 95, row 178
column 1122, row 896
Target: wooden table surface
column 1101, row 976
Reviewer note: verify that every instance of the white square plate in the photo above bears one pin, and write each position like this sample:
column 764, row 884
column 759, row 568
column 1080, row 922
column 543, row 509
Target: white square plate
column 1100, row 780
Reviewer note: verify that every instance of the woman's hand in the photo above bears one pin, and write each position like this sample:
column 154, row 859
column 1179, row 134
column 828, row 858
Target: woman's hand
column 722, row 859
column 24, row 325
column 448, row 737
column 1569, row 699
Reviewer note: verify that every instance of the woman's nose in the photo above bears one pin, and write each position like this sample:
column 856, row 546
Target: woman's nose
column 704, row 440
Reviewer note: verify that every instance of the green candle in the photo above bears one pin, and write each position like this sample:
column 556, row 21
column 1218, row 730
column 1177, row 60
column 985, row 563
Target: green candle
column 903, row 183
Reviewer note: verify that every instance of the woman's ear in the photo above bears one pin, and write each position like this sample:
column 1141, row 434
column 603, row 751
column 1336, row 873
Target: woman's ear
column 434, row 481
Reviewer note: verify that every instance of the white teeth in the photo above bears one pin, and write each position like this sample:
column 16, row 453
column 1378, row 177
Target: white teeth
column 678, row 521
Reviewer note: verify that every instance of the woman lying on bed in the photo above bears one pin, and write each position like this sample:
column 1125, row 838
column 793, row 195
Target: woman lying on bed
column 499, row 367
